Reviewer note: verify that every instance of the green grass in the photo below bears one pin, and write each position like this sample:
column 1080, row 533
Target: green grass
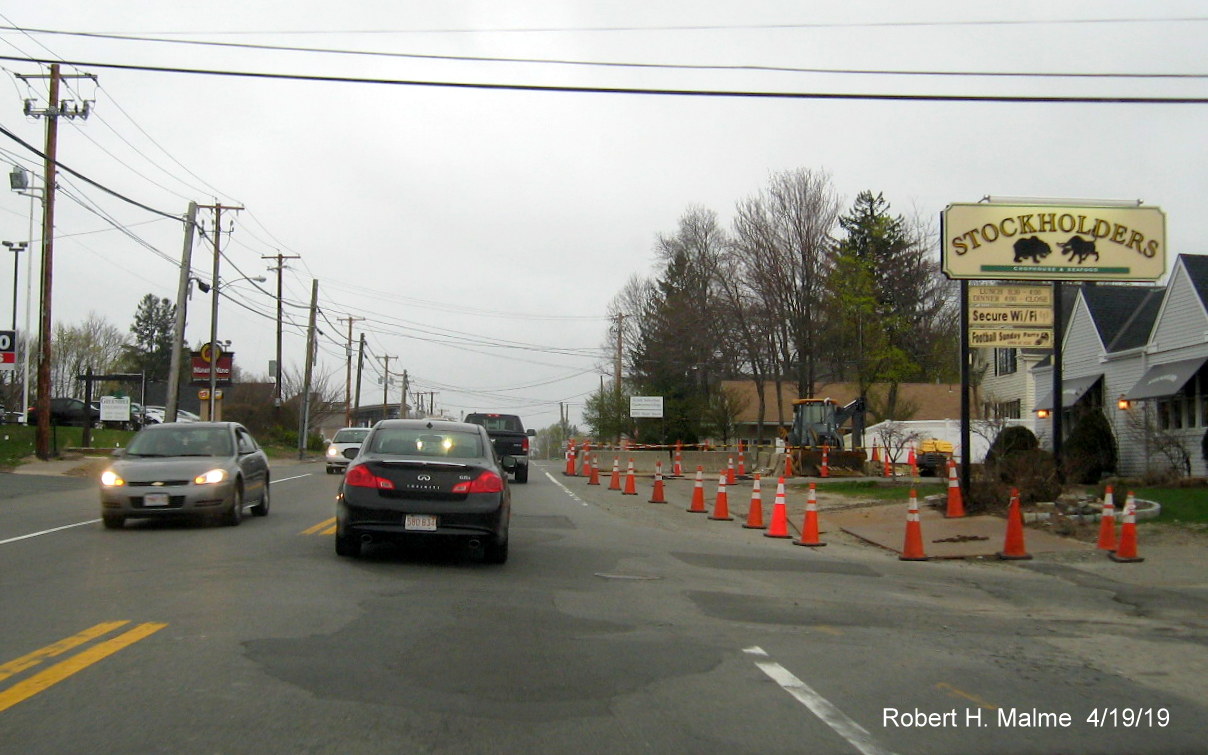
column 1179, row 505
column 17, row 443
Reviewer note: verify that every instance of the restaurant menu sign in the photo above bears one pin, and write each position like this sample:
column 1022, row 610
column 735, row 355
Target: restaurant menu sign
column 987, row 241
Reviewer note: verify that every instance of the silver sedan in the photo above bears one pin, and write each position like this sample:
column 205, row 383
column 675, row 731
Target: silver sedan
column 199, row 469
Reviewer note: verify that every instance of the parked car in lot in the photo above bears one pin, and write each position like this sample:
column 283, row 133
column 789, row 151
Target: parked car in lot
column 420, row 479
column 67, row 411
column 199, row 469
column 343, row 447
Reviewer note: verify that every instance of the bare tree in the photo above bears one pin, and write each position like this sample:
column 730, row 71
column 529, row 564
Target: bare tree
column 95, row 343
column 326, row 397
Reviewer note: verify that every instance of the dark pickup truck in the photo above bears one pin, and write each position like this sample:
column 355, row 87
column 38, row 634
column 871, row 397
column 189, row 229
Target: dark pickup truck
column 510, row 438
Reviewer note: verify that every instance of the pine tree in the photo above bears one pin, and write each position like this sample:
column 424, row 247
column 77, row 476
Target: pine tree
column 152, row 332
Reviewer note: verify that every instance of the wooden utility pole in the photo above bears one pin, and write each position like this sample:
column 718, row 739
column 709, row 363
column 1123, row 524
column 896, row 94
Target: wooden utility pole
column 304, row 408
column 279, row 268
column 385, row 383
column 616, row 368
column 178, row 330
column 360, row 367
column 348, row 370
column 214, row 350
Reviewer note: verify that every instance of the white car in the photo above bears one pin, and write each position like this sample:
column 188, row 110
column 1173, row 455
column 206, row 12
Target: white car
column 344, row 446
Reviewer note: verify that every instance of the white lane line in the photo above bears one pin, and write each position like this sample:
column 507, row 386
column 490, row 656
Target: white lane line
column 565, row 489
column 47, row 532
column 287, row 479
column 857, row 736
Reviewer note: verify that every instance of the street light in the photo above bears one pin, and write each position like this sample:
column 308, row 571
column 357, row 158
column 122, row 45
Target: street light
column 19, row 181
column 213, row 289
column 16, row 247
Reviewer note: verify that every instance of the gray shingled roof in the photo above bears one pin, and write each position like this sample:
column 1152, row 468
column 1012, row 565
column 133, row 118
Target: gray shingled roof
column 1197, row 272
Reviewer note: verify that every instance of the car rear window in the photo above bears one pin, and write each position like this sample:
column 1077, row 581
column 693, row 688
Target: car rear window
column 350, row 436
column 508, row 422
column 424, row 442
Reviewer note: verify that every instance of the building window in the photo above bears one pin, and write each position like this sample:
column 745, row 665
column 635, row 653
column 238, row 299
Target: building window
column 1005, row 361
column 1004, row 409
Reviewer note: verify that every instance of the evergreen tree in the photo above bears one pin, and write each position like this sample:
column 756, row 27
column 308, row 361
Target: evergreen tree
column 152, row 332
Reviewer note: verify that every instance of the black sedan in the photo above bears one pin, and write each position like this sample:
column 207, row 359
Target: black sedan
column 421, row 480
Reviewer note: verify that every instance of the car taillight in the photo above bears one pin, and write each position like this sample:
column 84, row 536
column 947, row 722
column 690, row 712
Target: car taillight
column 360, row 477
column 524, row 444
column 487, row 482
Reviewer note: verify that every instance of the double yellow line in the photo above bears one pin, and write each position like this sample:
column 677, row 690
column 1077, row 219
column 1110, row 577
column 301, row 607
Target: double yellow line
column 52, row 675
column 327, row 527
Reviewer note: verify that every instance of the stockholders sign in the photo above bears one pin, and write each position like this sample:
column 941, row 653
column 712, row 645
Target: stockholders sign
column 1045, row 242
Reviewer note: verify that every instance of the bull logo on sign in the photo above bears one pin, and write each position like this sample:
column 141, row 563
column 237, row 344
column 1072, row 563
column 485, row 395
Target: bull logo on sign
column 1031, row 248
column 1079, row 250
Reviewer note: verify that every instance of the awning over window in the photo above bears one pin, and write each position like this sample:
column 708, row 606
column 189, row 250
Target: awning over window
column 1071, row 390
column 1165, row 379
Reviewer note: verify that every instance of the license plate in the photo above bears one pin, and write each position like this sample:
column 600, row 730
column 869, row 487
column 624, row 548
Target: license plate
column 155, row 499
column 424, row 522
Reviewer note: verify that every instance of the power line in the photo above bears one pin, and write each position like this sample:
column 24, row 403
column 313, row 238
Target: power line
column 712, row 93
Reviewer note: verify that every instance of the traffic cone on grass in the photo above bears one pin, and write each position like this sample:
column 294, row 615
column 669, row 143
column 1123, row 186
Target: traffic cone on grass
column 1013, row 548
column 721, row 506
column 1126, row 553
column 698, row 493
column 809, row 530
column 658, row 495
column 1107, row 523
column 780, row 514
column 912, row 548
column 755, row 510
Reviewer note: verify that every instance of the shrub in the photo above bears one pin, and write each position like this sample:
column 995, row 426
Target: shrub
column 1012, row 439
column 1090, row 451
column 1014, row 460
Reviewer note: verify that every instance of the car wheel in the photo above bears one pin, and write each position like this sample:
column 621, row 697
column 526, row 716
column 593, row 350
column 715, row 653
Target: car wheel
column 522, row 473
column 113, row 521
column 348, row 545
column 495, row 551
column 261, row 508
column 235, row 515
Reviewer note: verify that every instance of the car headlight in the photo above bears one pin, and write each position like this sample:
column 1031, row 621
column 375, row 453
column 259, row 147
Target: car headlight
column 110, row 479
column 211, row 477
column 332, row 451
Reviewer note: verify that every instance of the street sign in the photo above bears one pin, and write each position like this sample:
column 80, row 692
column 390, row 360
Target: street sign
column 1011, row 338
column 1011, row 317
column 8, row 350
column 646, row 406
column 1011, row 296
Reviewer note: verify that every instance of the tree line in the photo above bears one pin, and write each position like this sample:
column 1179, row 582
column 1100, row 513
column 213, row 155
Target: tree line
column 795, row 291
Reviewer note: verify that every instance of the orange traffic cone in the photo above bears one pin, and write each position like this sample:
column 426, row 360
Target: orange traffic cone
column 913, row 462
column 730, row 478
column 888, row 471
column 570, row 459
column 742, row 462
column 1127, row 551
column 678, row 469
column 809, row 530
column 585, row 468
column 721, row 506
column 876, row 453
column 824, row 471
column 1013, row 548
column 595, row 472
column 698, row 493
column 658, row 495
column 788, row 462
column 780, row 514
column 1107, row 523
column 912, row 549
column 631, row 482
column 615, row 482
column 956, row 504
column 755, row 510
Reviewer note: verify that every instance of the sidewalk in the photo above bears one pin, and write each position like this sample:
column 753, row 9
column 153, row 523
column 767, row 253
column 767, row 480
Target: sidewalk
column 73, row 465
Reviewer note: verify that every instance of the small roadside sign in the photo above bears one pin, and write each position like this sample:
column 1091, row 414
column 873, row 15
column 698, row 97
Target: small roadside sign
column 1011, row 338
column 646, row 406
column 114, row 409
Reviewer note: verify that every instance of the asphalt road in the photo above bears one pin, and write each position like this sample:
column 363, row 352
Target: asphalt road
column 617, row 626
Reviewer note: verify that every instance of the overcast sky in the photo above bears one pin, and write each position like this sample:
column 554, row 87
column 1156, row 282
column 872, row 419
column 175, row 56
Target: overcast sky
column 482, row 233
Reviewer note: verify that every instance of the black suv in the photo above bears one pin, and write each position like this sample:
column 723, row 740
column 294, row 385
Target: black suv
column 66, row 411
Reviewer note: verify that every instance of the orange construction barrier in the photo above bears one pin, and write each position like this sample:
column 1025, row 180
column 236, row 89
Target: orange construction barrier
column 809, row 530
column 1126, row 553
column 780, row 514
column 615, row 482
column 721, row 506
column 698, row 493
column 1107, row 522
column 755, row 510
column 658, row 495
column 631, row 482
column 912, row 548
column 595, row 472
column 824, row 471
column 956, row 504
column 1013, row 548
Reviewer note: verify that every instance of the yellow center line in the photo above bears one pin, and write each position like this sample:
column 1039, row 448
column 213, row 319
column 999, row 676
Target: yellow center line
column 321, row 525
column 65, row 668
column 62, row 646
column 329, row 531
column 960, row 693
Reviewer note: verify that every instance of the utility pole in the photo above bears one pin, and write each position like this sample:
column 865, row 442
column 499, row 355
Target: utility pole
column 385, row 382
column 214, row 350
column 54, row 110
column 616, row 368
column 279, row 268
column 406, row 386
column 360, row 366
column 304, row 409
column 348, row 370
column 178, row 331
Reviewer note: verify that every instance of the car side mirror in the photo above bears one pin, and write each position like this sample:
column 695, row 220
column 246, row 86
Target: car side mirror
column 351, row 453
column 531, row 432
